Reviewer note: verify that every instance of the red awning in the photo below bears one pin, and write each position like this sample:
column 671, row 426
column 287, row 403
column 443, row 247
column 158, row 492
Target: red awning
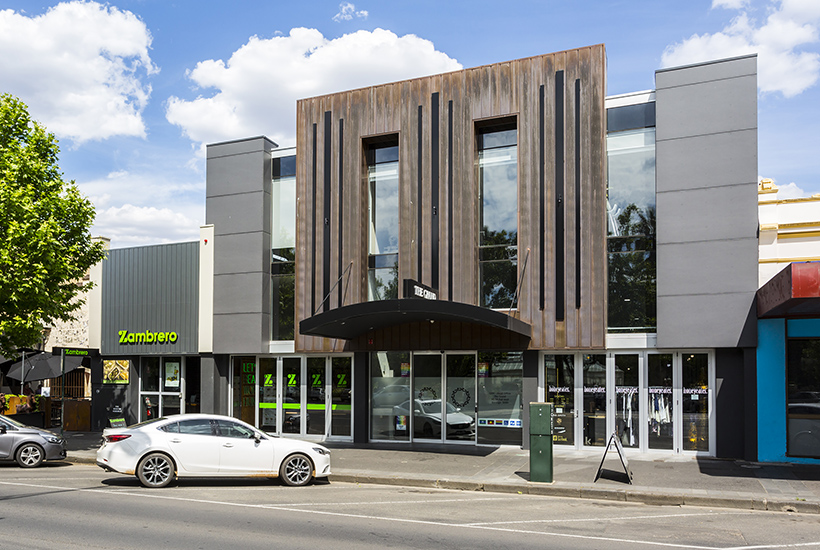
column 794, row 292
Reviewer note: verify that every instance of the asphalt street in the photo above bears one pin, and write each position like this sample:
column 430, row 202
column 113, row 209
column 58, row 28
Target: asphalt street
column 71, row 506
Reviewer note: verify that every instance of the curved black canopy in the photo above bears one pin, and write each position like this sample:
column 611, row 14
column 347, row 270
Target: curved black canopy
column 351, row 321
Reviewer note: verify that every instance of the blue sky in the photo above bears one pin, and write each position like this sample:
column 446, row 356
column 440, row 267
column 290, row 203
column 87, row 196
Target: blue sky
column 134, row 88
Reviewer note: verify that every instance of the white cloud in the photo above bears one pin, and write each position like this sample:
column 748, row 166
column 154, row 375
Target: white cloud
column 729, row 4
column 79, row 67
column 256, row 90
column 127, row 211
column 791, row 191
column 347, row 11
column 131, row 225
column 786, row 44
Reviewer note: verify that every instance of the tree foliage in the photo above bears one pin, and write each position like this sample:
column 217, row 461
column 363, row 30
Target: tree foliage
column 45, row 244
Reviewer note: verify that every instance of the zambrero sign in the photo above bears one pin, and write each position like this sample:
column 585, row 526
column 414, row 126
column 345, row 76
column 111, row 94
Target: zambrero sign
column 147, row 337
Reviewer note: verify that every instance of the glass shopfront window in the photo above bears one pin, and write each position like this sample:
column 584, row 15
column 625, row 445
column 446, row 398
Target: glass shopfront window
column 803, row 397
column 660, row 405
column 499, row 397
column 695, row 403
column 595, row 432
column 627, row 400
column 389, row 388
column 498, row 201
column 560, row 385
column 244, row 389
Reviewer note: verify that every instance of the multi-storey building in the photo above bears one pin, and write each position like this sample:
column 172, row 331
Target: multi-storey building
column 436, row 253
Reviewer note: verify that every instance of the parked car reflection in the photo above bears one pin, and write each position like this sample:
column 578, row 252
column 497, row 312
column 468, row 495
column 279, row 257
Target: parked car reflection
column 427, row 418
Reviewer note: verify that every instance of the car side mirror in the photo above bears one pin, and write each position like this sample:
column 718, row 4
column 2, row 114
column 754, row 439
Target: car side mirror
column 2, row 429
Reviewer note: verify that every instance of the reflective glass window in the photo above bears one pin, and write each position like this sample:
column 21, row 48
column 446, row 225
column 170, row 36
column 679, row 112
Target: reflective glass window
column 631, row 231
column 195, row 427
column 498, row 233
column 803, row 397
column 695, row 405
column 383, row 215
column 149, row 377
column 660, row 405
column 560, row 377
column 283, row 242
column 499, row 397
column 389, row 389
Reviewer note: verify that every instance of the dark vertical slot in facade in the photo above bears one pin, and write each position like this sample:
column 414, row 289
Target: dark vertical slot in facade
column 313, row 232
column 559, row 196
column 326, row 197
column 434, row 117
column 542, row 234
column 419, row 197
column 577, row 193
column 341, row 202
column 450, row 200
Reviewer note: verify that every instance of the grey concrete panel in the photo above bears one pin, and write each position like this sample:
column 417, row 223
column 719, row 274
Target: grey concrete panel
column 236, row 174
column 240, row 147
column 239, row 333
column 704, row 72
column 239, row 213
column 711, row 107
column 704, row 214
column 707, row 321
column 239, row 293
column 707, row 267
column 242, row 253
column 707, row 161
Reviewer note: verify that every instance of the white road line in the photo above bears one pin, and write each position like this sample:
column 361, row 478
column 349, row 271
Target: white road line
column 621, row 518
column 413, row 521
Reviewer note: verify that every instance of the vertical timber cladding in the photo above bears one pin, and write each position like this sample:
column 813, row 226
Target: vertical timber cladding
column 413, row 110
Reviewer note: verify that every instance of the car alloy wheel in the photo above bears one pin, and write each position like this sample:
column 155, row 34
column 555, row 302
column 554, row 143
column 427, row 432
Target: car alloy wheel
column 296, row 470
column 30, row 455
column 155, row 470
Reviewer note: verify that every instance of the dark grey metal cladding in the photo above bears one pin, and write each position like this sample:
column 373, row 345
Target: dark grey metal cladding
column 238, row 205
column 706, row 154
column 151, row 289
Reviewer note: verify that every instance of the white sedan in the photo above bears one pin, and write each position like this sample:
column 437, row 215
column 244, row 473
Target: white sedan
column 206, row 445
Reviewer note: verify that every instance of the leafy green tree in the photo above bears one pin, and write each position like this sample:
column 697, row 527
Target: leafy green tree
column 45, row 244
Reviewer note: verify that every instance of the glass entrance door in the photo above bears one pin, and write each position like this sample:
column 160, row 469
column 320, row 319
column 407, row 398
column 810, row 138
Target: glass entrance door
column 559, row 372
column 426, row 405
column 163, row 390
column 595, row 410
column 460, row 403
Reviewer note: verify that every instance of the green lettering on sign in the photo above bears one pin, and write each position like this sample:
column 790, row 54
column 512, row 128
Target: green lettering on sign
column 291, row 380
column 268, row 380
column 146, row 337
column 341, row 380
column 317, row 380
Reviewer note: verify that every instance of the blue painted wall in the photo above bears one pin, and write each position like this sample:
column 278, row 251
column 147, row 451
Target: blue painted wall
column 771, row 385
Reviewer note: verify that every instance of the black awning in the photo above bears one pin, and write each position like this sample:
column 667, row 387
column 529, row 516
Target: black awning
column 351, row 321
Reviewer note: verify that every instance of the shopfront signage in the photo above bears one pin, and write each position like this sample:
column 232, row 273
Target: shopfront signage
column 76, row 352
column 414, row 289
column 147, row 337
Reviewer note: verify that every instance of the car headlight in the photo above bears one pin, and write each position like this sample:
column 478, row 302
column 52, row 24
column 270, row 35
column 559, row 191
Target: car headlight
column 321, row 450
column 52, row 439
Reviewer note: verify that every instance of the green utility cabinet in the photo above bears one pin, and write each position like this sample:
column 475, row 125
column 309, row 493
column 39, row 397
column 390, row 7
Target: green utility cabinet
column 541, row 442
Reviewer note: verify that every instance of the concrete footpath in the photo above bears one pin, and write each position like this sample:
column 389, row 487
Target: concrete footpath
column 656, row 479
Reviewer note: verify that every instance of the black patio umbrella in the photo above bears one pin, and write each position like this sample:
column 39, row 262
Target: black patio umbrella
column 41, row 367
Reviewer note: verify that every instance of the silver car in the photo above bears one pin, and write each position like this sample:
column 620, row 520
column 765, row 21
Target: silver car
column 27, row 445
